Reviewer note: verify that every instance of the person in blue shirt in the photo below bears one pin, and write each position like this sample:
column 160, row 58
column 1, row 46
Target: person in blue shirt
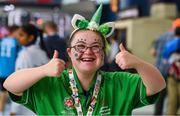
column 157, row 52
column 9, row 48
column 171, row 55
column 172, row 46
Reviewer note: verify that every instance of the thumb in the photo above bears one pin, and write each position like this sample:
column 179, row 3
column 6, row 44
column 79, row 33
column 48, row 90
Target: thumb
column 56, row 54
column 121, row 47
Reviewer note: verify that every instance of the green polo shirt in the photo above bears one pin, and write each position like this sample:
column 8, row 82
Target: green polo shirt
column 120, row 93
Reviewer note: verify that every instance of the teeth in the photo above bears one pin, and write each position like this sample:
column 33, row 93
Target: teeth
column 87, row 59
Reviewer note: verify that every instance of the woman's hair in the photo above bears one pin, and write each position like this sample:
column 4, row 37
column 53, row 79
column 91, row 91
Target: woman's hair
column 30, row 29
column 13, row 28
column 177, row 31
column 72, row 36
column 51, row 25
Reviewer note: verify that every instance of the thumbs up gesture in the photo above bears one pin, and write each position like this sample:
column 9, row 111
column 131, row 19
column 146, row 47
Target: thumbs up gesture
column 55, row 66
column 126, row 60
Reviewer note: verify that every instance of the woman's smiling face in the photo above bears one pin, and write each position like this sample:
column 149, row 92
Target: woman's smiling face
column 86, row 51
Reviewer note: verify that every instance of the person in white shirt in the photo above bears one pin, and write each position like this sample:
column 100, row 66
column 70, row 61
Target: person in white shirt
column 30, row 56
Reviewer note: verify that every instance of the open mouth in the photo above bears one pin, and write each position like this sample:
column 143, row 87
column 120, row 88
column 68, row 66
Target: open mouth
column 87, row 59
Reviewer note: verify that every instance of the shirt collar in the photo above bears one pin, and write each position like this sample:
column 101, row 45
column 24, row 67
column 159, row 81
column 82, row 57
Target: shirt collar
column 79, row 87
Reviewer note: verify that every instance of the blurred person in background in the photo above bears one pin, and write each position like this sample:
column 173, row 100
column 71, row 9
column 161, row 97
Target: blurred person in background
column 53, row 41
column 171, row 55
column 157, row 52
column 30, row 56
column 143, row 6
column 172, row 46
column 9, row 48
column 107, row 12
column 3, row 32
column 84, row 89
column 114, row 49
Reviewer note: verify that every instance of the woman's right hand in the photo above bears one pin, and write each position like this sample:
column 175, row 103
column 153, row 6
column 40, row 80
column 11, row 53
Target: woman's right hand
column 54, row 67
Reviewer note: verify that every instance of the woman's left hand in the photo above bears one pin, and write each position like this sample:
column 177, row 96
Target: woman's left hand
column 150, row 75
column 126, row 60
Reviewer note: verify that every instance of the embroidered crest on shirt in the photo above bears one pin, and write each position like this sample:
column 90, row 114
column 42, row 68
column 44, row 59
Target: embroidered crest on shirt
column 68, row 103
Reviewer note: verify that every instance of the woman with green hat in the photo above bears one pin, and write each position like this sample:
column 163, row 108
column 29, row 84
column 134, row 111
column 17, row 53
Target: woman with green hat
column 85, row 90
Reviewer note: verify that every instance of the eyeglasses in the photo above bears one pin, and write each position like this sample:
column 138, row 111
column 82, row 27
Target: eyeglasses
column 82, row 48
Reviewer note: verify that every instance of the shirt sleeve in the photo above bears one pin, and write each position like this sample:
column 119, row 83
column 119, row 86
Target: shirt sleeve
column 156, row 43
column 159, row 41
column 34, row 94
column 133, row 90
column 24, row 99
column 143, row 98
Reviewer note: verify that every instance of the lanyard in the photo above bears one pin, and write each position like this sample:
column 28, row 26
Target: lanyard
column 76, row 96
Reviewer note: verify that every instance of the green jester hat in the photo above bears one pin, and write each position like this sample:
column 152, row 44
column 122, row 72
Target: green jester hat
column 106, row 29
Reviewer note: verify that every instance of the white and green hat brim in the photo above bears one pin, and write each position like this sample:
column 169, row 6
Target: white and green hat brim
column 79, row 22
